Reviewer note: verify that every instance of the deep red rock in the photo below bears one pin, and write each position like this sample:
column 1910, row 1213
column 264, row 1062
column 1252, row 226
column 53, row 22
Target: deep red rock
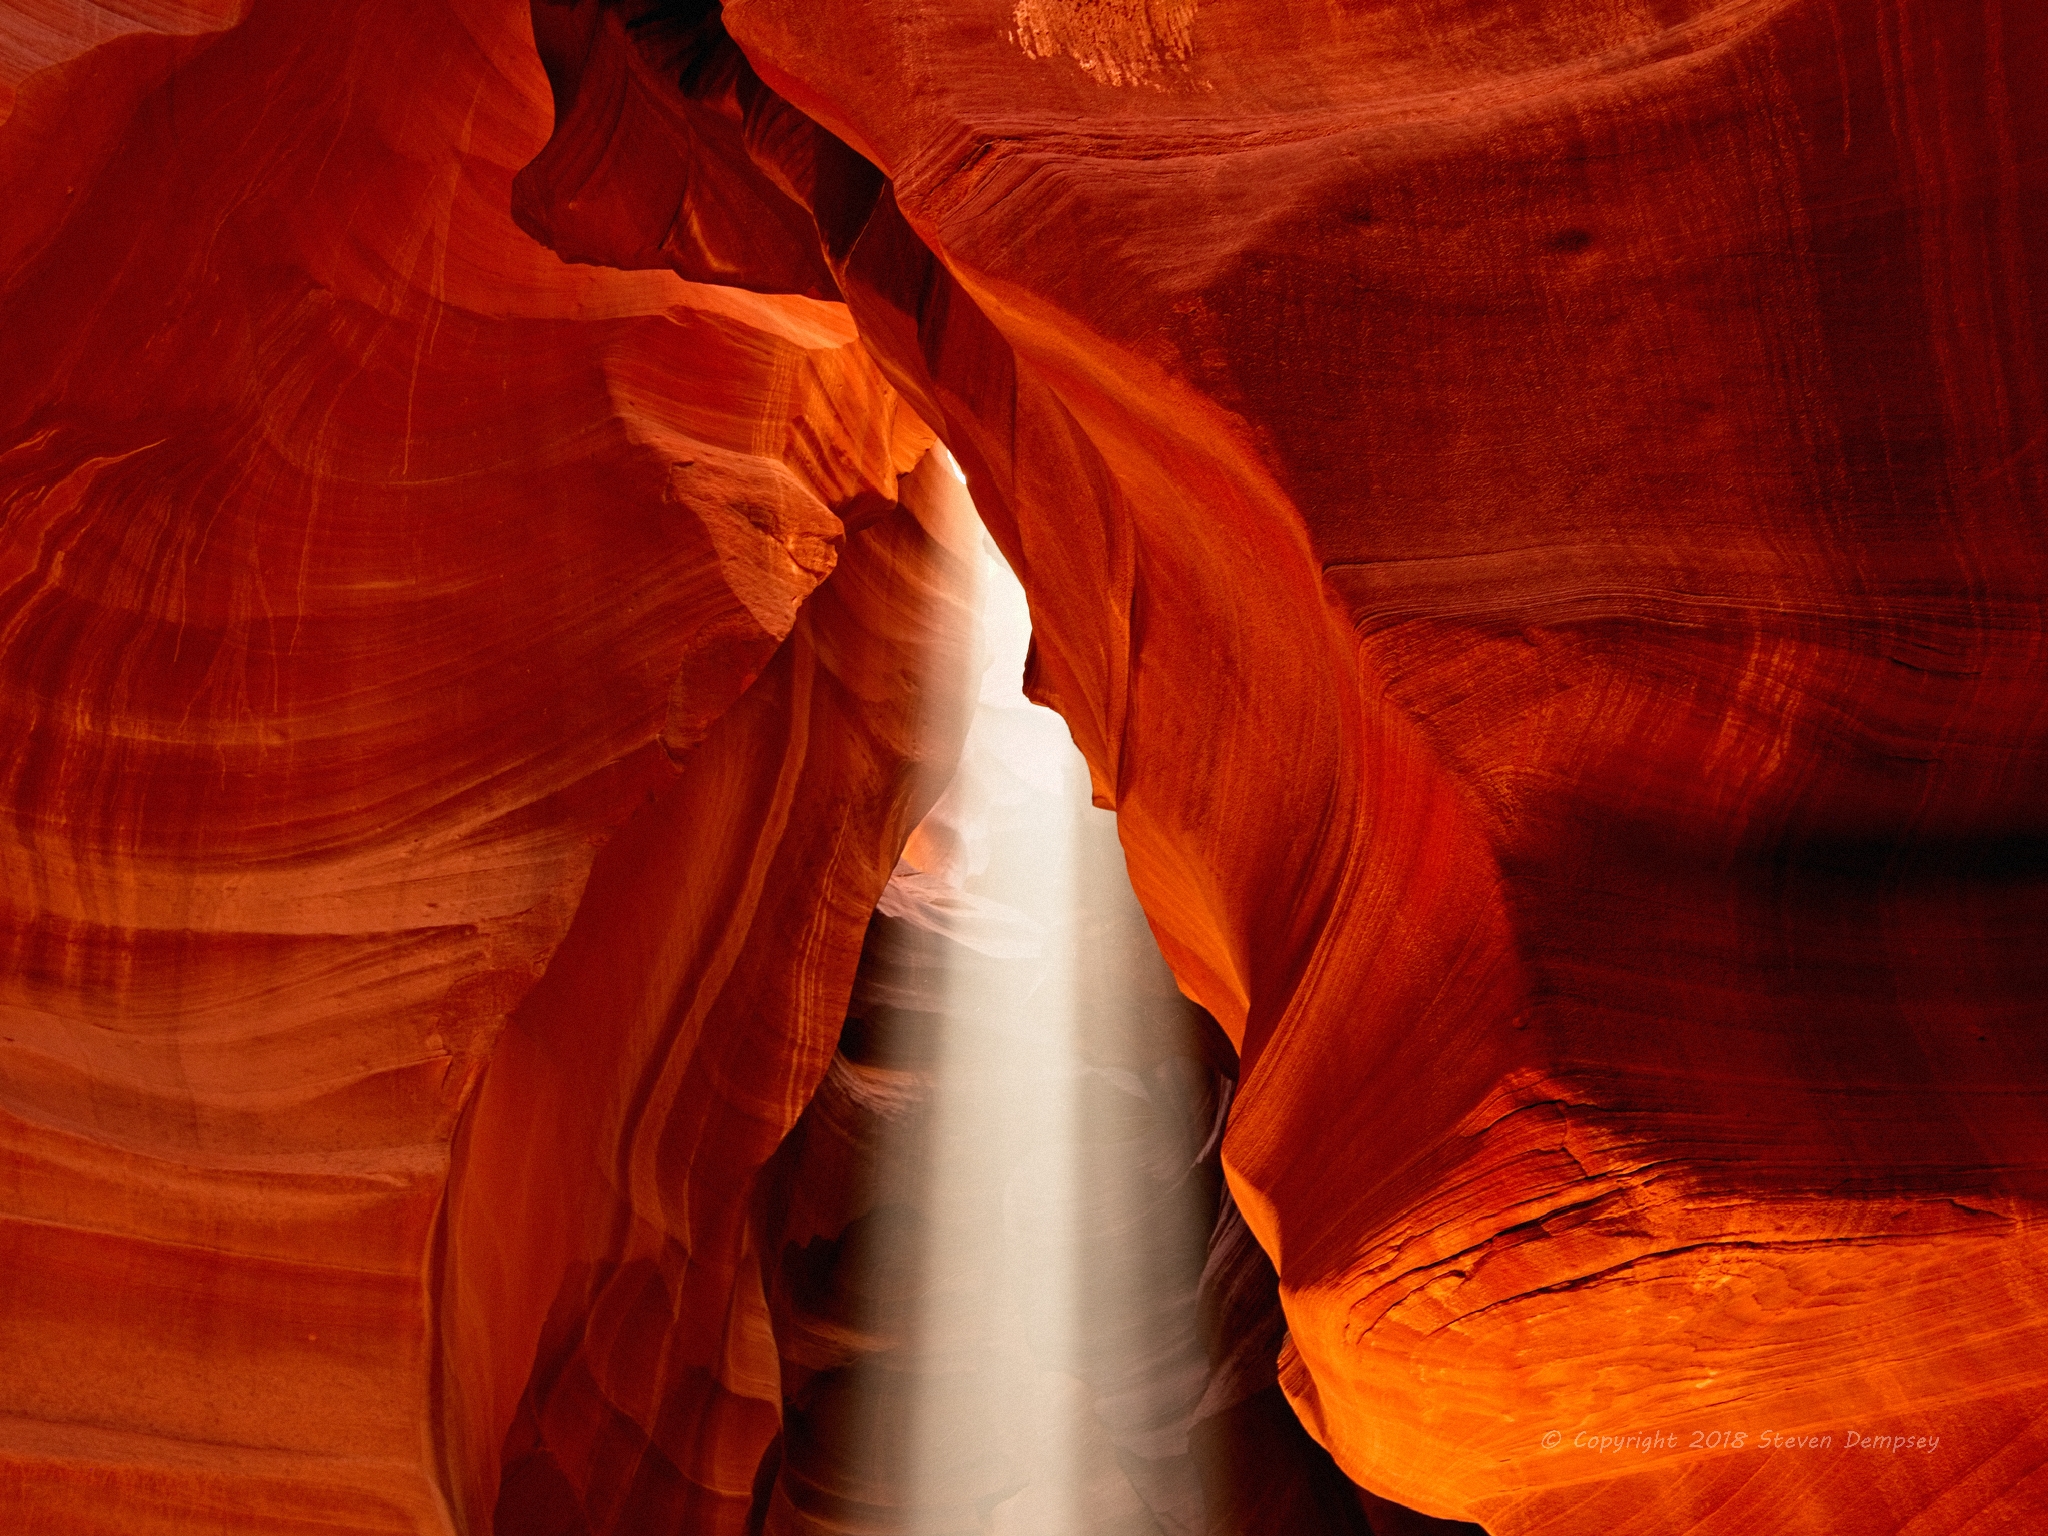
column 1532, row 513
column 424, row 712
column 1533, row 516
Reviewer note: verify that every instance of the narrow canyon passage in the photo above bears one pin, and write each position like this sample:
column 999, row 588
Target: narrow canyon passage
column 515, row 1020
column 991, row 1280
column 994, row 1218
column 1009, row 1290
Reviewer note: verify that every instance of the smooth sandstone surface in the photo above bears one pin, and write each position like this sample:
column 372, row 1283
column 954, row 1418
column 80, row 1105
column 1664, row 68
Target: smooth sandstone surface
column 434, row 677
column 1533, row 514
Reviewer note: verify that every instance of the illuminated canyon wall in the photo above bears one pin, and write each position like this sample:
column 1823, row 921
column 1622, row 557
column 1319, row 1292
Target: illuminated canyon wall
column 1534, row 516
column 1533, row 512
column 434, row 763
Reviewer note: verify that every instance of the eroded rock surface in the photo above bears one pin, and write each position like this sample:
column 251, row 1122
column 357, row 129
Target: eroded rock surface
column 1532, row 514
column 443, row 687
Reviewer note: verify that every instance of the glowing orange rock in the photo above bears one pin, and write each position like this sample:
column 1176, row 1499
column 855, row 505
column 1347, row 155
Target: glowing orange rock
column 1533, row 517
column 381, row 602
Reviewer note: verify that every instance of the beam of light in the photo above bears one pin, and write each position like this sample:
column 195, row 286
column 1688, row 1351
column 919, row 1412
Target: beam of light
column 1053, row 1362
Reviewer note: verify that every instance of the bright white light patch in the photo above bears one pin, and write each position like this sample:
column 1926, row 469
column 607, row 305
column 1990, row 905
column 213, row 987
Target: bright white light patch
column 1020, row 1417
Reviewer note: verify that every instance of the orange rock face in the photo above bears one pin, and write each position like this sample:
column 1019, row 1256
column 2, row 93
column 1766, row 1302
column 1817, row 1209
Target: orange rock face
column 1533, row 515
column 1532, row 512
column 443, row 688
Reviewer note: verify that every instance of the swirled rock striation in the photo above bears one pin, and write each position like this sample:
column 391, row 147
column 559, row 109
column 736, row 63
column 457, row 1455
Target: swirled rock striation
column 1532, row 515
column 462, row 709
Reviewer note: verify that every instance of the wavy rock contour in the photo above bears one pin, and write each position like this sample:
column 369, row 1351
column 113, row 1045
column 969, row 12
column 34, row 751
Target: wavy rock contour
column 445, row 689
column 1532, row 516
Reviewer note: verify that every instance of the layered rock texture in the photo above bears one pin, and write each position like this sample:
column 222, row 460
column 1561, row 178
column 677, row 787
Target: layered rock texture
column 461, row 711
column 1533, row 513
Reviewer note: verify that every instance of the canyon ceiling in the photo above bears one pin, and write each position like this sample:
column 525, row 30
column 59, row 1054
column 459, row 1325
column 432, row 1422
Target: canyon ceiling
column 1534, row 511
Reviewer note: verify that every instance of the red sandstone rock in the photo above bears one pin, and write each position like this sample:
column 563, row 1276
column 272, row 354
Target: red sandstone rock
column 40, row 39
column 423, row 710
column 1533, row 514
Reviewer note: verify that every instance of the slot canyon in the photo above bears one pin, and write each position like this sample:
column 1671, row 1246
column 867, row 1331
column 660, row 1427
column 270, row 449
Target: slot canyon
column 1030, row 767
